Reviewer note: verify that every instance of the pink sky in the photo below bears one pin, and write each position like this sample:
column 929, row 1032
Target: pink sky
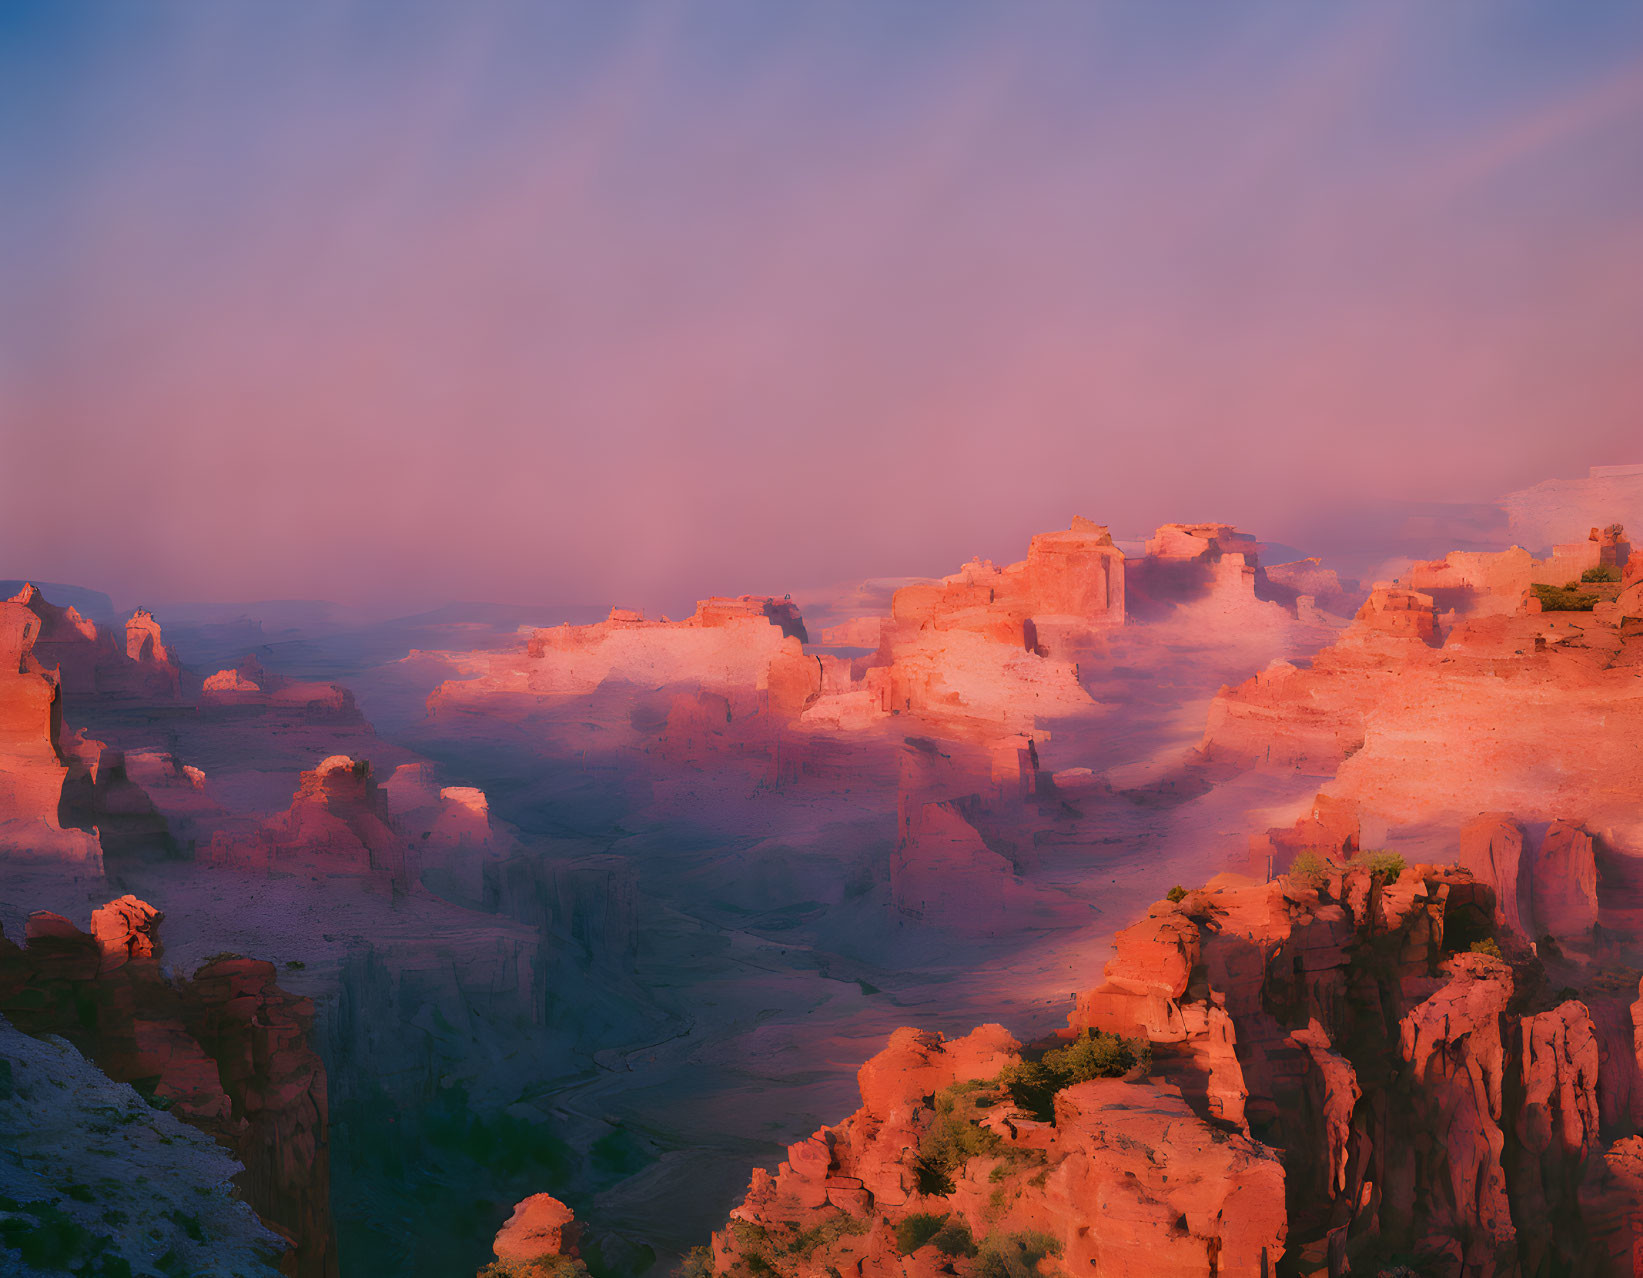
column 521, row 307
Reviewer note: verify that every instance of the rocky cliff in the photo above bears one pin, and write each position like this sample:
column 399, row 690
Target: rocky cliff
column 1340, row 1071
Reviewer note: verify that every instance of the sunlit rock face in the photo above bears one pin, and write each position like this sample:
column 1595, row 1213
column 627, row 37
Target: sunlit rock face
column 92, row 662
column 226, row 1051
column 1304, row 1105
column 1128, row 1179
column 1077, row 574
column 540, row 1228
column 36, row 756
column 154, row 671
column 725, row 644
column 982, row 655
column 1423, row 719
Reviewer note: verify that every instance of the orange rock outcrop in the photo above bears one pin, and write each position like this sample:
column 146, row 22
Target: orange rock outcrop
column 1421, row 717
column 1127, row 1179
column 541, row 1227
column 1337, row 1079
column 36, row 755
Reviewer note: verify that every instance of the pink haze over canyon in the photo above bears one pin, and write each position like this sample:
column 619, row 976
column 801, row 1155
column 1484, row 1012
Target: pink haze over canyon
column 558, row 304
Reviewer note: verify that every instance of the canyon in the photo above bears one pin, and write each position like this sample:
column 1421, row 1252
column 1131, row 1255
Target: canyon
column 593, row 914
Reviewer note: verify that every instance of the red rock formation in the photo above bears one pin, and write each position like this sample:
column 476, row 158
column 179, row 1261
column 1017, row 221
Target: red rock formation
column 1452, row 1044
column 338, row 823
column 231, row 682
column 156, row 672
column 1557, row 1127
column 1613, row 548
column 1564, row 876
column 1401, row 1099
column 1491, row 847
column 1077, row 574
column 783, row 613
column 226, row 1051
column 126, row 929
column 92, row 663
column 1425, row 721
column 1184, row 543
column 36, row 759
column 541, row 1227
column 66, row 642
column 1403, row 614
column 1330, row 829
column 1197, row 1201
column 991, row 651
column 726, row 647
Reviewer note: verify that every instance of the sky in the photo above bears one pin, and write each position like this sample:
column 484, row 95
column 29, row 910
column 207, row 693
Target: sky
column 633, row 303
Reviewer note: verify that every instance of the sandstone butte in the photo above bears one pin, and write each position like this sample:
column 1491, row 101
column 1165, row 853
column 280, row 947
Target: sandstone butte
column 226, row 1050
column 37, row 757
column 1340, row 1081
column 538, row 1239
column 339, row 824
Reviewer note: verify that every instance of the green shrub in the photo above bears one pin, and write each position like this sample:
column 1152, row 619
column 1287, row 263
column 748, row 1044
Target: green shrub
column 954, row 1239
column 826, row 1233
column 914, row 1231
column 1486, row 946
column 1097, row 1055
column 1015, row 1255
column 1562, row 598
column 947, row 1144
column 1308, row 870
column 959, row 1097
column 1177, row 893
column 1033, row 1084
column 1603, row 572
column 696, row 1263
column 1383, row 865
